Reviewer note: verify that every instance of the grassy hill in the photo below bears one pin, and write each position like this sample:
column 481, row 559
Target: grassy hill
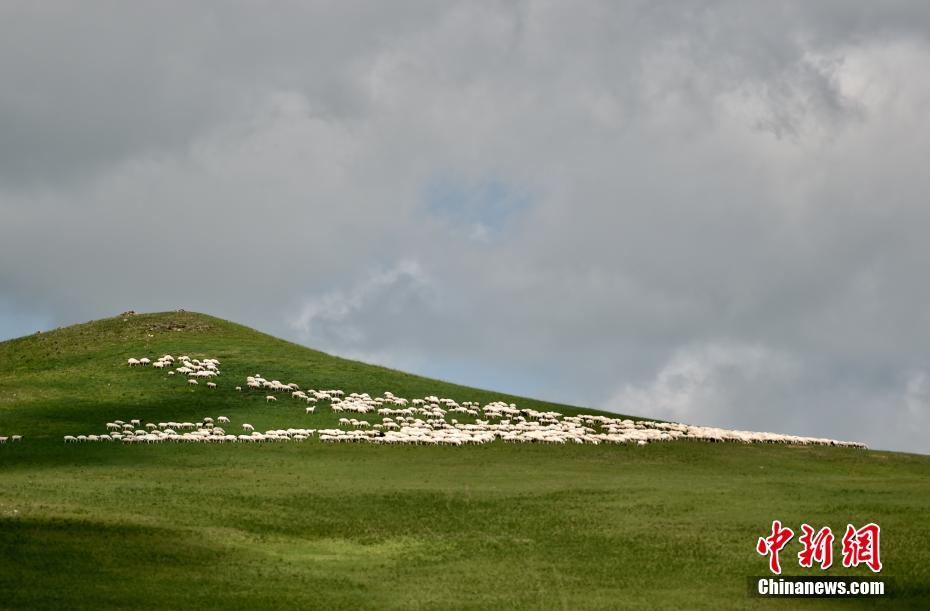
column 356, row 526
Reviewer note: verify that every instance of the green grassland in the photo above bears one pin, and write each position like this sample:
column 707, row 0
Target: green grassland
column 312, row 525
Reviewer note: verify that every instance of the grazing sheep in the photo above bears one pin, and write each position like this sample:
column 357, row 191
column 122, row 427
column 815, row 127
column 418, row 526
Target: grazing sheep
column 424, row 422
column 238, row 388
column 192, row 382
column 133, row 362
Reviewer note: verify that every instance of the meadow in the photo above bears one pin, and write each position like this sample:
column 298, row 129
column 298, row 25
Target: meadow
column 313, row 525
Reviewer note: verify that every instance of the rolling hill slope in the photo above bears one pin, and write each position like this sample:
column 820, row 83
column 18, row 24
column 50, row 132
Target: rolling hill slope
column 70, row 379
column 355, row 526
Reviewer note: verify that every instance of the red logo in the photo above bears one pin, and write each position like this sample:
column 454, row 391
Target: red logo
column 817, row 547
column 771, row 545
column 861, row 546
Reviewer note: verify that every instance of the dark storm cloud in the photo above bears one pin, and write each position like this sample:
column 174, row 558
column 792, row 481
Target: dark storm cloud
column 712, row 212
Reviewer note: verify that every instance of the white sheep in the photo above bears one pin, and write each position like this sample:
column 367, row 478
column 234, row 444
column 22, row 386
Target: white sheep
column 270, row 398
column 133, row 362
column 211, row 385
column 310, row 410
column 192, row 382
column 247, row 427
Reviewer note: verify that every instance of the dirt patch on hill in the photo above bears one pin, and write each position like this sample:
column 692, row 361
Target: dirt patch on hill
column 177, row 322
column 195, row 326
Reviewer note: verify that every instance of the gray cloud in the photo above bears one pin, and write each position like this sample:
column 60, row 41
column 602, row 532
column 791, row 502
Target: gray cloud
column 710, row 212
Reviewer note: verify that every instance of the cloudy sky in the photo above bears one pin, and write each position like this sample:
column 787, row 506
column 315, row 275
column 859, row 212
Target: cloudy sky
column 710, row 212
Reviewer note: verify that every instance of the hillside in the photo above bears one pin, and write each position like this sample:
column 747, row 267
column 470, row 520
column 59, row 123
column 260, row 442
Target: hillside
column 354, row 526
column 69, row 379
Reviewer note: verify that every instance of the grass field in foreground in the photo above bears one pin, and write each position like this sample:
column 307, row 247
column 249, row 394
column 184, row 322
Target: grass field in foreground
column 314, row 525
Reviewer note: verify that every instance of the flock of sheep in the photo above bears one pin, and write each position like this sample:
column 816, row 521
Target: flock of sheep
column 390, row 419
column 207, row 430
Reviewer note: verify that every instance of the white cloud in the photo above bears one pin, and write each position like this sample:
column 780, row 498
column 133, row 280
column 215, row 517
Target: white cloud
column 700, row 384
column 332, row 314
column 754, row 387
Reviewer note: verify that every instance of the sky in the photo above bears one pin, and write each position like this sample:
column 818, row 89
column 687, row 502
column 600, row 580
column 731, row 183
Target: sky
column 710, row 212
